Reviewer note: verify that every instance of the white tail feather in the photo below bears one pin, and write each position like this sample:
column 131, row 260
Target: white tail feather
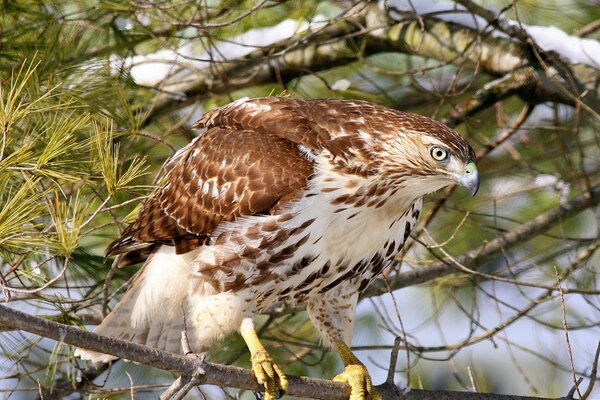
column 151, row 311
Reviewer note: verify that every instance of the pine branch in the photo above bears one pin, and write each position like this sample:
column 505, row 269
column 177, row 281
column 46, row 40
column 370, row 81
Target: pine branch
column 208, row 373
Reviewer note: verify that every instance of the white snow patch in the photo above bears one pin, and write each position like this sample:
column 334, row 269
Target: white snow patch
column 549, row 38
column 545, row 180
column 575, row 49
column 143, row 19
column 151, row 69
column 554, row 182
column 341, row 84
column 124, row 24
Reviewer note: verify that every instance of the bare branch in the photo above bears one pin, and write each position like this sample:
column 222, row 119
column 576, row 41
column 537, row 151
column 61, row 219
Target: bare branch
column 593, row 375
column 333, row 46
column 521, row 234
column 208, row 373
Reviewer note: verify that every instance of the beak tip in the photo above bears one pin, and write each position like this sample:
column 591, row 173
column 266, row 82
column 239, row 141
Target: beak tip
column 471, row 179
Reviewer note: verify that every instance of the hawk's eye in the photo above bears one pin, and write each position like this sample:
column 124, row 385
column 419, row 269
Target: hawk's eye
column 438, row 153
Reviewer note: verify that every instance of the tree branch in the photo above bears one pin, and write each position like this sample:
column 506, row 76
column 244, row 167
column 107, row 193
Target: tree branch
column 335, row 45
column 459, row 45
column 329, row 47
column 209, row 373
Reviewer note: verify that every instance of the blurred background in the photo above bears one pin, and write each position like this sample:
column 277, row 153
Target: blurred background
column 496, row 293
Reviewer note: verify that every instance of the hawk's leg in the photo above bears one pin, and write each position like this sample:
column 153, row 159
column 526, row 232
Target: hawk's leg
column 333, row 315
column 355, row 374
column 266, row 371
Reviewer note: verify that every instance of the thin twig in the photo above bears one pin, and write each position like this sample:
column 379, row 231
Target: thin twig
column 574, row 388
column 39, row 288
column 452, row 236
column 563, row 308
column 525, row 232
column 392, row 370
column 105, row 287
column 394, row 361
column 174, row 388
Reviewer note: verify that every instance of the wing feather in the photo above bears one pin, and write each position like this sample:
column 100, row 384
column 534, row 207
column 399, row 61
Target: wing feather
column 316, row 124
column 258, row 154
column 225, row 173
column 251, row 159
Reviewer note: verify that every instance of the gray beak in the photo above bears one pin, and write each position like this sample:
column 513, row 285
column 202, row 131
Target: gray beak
column 470, row 179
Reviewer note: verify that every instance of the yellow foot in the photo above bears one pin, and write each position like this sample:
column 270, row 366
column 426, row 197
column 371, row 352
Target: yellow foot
column 269, row 375
column 357, row 376
column 265, row 370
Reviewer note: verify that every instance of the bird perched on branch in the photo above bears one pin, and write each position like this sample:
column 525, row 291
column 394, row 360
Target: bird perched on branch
column 280, row 200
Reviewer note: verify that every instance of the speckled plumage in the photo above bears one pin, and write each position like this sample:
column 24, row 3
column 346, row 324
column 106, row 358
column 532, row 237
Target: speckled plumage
column 304, row 202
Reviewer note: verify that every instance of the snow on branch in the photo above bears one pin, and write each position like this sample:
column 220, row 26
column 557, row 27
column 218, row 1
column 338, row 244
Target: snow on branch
column 440, row 33
column 575, row 49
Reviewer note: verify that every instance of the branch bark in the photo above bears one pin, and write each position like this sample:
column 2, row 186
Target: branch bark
column 455, row 44
column 285, row 60
column 209, row 373
column 429, row 38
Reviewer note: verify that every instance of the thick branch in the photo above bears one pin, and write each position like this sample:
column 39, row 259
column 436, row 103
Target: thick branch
column 459, row 45
column 291, row 58
column 495, row 20
column 336, row 45
column 208, row 373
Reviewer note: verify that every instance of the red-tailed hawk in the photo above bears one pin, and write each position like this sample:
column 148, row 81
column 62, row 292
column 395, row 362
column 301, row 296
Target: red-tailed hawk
column 280, row 200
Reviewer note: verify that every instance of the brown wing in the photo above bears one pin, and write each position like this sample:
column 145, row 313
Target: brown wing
column 246, row 163
column 329, row 124
column 225, row 173
column 316, row 124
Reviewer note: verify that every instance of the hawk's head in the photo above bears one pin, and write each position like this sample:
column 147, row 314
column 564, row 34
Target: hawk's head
column 423, row 155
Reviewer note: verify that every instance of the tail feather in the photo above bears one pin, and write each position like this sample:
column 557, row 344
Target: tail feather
column 152, row 310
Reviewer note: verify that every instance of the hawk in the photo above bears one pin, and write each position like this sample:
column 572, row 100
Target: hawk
column 280, row 200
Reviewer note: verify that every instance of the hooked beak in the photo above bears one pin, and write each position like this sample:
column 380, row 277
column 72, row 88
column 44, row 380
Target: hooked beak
column 470, row 179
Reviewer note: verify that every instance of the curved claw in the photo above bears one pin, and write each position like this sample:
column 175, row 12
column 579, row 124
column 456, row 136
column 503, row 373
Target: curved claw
column 265, row 370
column 357, row 376
column 280, row 394
column 269, row 375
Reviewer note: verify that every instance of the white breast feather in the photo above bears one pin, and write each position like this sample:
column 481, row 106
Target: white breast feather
column 343, row 240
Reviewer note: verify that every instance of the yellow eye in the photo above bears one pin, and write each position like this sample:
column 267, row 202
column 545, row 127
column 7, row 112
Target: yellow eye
column 438, row 153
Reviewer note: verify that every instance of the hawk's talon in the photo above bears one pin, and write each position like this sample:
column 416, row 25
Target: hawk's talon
column 357, row 376
column 279, row 395
column 265, row 370
column 269, row 375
